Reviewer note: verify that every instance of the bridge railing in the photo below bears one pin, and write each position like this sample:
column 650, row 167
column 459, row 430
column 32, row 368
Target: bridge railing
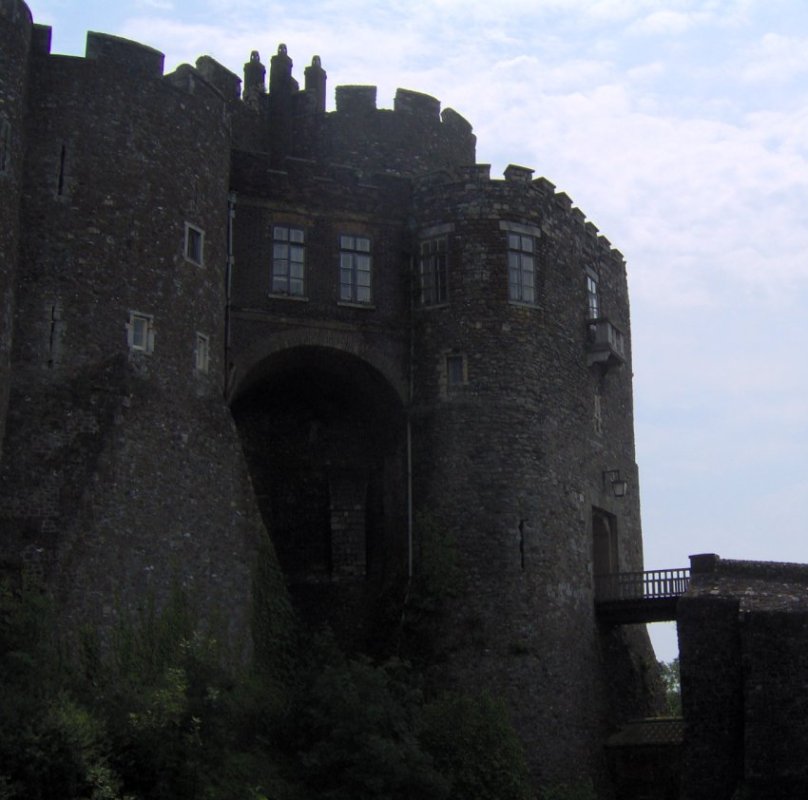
column 654, row 584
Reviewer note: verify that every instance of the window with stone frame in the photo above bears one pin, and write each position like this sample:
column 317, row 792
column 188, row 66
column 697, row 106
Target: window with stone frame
column 433, row 272
column 455, row 370
column 521, row 268
column 5, row 145
column 202, row 353
column 194, row 244
column 592, row 294
column 354, row 269
column 140, row 332
column 288, row 261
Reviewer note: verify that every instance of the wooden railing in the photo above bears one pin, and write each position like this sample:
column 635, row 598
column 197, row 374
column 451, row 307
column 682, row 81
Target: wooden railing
column 654, row 584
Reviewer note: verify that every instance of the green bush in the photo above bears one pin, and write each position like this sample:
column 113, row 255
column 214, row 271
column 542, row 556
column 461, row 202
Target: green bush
column 356, row 733
column 473, row 744
column 157, row 714
column 420, row 606
column 50, row 745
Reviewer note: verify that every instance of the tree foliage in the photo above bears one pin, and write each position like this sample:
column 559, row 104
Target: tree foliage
column 474, row 745
column 156, row 714
column 673, row 690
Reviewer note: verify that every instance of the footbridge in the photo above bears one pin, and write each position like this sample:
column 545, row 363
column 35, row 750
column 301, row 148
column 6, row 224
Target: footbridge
column 626, row 598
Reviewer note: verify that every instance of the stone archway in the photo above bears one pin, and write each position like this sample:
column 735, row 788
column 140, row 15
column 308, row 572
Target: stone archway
column 324, row 435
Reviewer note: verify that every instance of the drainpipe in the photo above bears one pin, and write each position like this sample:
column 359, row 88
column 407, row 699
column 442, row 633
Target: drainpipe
column 409, row 498
column 409, row 425
column 231, row 213
column 409, row 460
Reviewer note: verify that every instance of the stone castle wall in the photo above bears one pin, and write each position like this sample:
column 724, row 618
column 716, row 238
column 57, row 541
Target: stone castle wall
column 173, row 402
column 742, row 632
column 15, row 41
column 510, row 459
column 120, row 163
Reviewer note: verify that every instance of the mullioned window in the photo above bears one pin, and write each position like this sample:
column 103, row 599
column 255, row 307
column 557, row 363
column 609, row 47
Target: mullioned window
column 592, row 294
column 288, row 261
column 354, row 269
column 521, row 268
column 432, row 272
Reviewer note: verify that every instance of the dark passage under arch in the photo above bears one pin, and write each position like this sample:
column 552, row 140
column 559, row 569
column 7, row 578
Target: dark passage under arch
column 324, row 437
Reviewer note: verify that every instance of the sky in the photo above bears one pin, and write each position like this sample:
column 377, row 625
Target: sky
column 680, row 129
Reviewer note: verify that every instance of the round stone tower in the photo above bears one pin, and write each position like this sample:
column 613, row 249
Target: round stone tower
column 120, row 338
column 520, row 421
column 131, row 169
column 15, row 42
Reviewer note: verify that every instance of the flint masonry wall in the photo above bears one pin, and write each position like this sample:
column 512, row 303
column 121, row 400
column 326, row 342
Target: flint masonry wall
column 743, row 628
column 15, row 41
column 510, row 458
column 510, row 461
column 121, row 160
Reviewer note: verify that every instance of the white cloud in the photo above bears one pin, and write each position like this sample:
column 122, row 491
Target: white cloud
column 665, row 23
column 157, row 5
column 646, row 73
column 777, row 59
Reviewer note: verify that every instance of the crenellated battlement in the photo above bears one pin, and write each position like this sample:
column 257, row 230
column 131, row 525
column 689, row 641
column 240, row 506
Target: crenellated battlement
column 356, row 99
column 411, row 138
column 279, row 117
column 530, row 197
column 361, row 99
column 125, row 60
column 227, row 82
column 133, row 57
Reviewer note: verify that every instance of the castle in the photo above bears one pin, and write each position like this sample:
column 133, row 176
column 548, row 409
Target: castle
column 229, row 315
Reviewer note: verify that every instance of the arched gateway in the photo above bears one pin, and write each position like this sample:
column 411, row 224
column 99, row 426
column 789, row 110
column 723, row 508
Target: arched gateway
column 324, row 434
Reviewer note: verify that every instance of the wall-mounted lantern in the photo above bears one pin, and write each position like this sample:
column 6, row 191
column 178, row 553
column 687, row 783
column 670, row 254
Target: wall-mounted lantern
column 612, row 478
